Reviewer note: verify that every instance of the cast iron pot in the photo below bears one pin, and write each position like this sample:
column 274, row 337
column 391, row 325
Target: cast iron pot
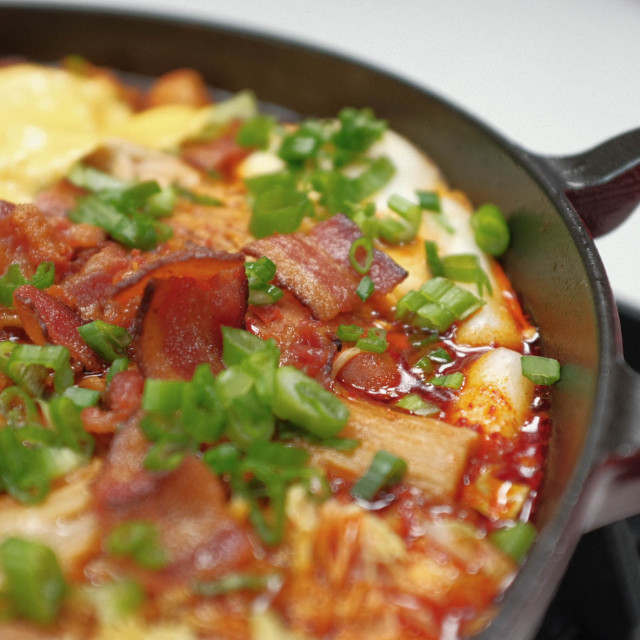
column 554, row 207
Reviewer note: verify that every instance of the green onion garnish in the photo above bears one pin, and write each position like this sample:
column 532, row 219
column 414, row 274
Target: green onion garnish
column 17, row 406
column 303, row 401
column 279, row 209
column 365, row 288
column 490, row 229
column 515, row 541
column 234, row 582
column 140, row 541
column 386, row 469
column 256, row 132
column 425, row 363
column 375, row 341
column 433, row 259
column 198, row 198
column 259, row 273
column 439, row 355
column 29, row 364
column 117, row 366
column 361, row 265
column 223, row 458
column 415, row 404
column 13, row 278
column 349, row 332
column 451, row 380
column 34, row 582
column 540, row 370
column 359, row 129
column 465, row 267
column 82, row 397
column 429, row 200
column 109, row 341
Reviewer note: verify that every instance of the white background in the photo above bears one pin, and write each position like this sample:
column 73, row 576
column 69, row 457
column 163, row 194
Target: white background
column 555, row 76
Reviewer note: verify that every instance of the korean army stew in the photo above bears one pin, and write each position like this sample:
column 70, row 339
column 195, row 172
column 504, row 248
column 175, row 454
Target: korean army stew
column 257, row 379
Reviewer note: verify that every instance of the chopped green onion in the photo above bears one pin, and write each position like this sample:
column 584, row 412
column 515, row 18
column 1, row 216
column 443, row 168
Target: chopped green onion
column 303, row 401
column 440, row 355
column 303, row 144
column 349, row 332
column 375, row 341
column 540, row 370
column 365, row 288
column 359, row 129
column 515, row 541
column 82, row 397
column 86, row 177
column 13, row 278
column 23, row 472
column 117, row 366
column 64, row 417
column 223, row 458
column 451, row 380
column 460, row 302
column 429, row 200
column 256, row 132
column 259, row 273
column 406, row 226
column 28, row 364
column 433, row 259
column 109, row 341
column 362, row 266
column 386, row 469
column 404, row 207
column 248, row 421
column 198, row 198
column 465, row 267
column 278, row 210
column 415, row 404
column 234, row 582
column 238, row 344
column 425, row 364
column 140, row 541
column 434, row 315
column 34, row 582
column 421, row 340
column 259, row 184
column 17, row 406
column 278, row 455
column 490, row 229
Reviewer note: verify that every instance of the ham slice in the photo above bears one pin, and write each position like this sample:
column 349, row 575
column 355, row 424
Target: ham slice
column 316, row 266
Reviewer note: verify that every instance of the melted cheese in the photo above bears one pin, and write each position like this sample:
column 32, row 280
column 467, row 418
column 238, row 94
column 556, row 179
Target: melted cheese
column 57, row 118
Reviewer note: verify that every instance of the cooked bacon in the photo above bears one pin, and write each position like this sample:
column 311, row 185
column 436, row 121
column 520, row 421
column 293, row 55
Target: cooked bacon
column 188, row 506
column 27, row 238
column 304, row 341
column 47, row 320
column 316, row 266
column 179, row 321
column 222, row 154
column 121, row 400
column 86, row 290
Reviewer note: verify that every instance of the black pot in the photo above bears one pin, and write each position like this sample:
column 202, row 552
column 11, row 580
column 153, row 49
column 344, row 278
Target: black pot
column 554, row 206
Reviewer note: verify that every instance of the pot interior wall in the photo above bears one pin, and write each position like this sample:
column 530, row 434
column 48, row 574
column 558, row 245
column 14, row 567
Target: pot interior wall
column 544, row 262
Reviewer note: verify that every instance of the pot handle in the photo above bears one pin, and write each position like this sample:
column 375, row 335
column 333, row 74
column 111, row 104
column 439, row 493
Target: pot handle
column 603, row 183
column 616, row 480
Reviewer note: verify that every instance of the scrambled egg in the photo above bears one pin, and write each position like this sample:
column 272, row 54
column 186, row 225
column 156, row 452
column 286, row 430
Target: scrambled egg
column 57, row 118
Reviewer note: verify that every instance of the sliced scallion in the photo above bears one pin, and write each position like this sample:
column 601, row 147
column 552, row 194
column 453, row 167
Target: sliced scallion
column 279, row 209
column 539, row 370
column 365, row 288
column 450, row 381
column 140, row 541
column 109, row 341
column 429, row 200
column 34, row 581
column 490, row 229
column 413, row 403
column 349, row 332
column 386, row 469
column 374, row 341
column 361, row 264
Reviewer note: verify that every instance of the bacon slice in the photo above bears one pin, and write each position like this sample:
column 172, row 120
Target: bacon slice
column 304, row 342
column 46, row 320
column 316, row 266
column 180, row 320
column 27, row 238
